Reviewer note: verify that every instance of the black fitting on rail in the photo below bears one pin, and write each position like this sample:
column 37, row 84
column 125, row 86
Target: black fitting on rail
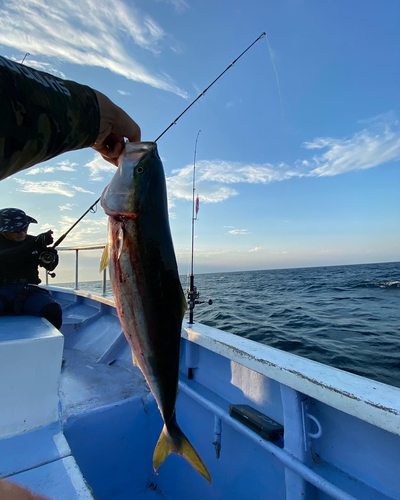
column 193, row 295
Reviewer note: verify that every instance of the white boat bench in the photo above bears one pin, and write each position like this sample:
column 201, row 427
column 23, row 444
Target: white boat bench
column 33, row 449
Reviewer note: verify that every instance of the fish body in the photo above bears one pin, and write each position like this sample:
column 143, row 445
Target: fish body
column 146, row 286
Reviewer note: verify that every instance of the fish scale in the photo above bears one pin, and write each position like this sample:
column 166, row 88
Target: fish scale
column 146, row 286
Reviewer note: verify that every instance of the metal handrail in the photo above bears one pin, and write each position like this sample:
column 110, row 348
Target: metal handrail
column 76, row 249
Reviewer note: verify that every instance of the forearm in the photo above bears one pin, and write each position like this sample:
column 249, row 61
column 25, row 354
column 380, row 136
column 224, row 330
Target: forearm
column 14, row 256
column 42, row 117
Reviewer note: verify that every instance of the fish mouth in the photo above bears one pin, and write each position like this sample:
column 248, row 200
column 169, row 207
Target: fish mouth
column 135, row 150
column 139, row 147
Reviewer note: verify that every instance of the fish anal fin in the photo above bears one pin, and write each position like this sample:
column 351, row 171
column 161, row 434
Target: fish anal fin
column 173, row 440
column 104, row 259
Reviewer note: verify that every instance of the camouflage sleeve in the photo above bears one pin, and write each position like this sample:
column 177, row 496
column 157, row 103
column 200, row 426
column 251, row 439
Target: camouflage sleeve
column 42, row 116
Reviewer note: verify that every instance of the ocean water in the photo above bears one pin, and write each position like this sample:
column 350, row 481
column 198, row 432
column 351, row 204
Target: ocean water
column 344, row 316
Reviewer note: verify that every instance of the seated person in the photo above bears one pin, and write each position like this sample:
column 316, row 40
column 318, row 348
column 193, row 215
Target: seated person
column 20, row 256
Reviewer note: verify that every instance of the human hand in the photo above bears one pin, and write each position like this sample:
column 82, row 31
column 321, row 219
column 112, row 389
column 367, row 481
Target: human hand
column 115, row 125
column 45, row 239
column 12, row 491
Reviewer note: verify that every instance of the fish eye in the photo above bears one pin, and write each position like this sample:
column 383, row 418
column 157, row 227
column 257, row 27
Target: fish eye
column 140, row 170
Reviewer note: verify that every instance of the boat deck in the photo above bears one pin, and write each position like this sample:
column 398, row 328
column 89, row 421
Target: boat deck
column 341, row 431
column 86, row 384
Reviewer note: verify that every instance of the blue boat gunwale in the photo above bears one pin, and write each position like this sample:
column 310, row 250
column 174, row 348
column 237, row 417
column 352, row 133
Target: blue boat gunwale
column 366, row 399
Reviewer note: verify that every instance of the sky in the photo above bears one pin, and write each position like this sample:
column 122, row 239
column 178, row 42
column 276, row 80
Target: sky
column 298, row 156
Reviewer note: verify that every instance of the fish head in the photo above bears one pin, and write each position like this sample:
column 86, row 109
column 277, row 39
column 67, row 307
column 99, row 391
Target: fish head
column 138, row 185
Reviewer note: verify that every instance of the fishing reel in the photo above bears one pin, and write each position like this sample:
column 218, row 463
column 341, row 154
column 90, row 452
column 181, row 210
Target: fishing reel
column 49, row 260
column 193, row 295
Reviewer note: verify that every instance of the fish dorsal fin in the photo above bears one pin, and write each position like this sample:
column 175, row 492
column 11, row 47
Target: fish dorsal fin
column 104, row 258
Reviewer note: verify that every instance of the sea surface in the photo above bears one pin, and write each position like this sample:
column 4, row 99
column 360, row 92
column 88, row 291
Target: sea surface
column 344, row 316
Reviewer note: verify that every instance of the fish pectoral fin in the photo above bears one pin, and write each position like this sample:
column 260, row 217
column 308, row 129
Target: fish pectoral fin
column 173, row 440
column 120, row 242
column 104, row 259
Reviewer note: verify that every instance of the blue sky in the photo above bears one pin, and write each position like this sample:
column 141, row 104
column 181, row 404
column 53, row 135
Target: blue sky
column 299, row 171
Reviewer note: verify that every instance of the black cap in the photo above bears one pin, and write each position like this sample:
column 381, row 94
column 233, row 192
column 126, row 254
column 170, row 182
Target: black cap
column 14, row 220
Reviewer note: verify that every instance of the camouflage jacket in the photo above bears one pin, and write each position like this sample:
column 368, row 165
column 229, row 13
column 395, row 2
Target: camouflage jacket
column 42, row 116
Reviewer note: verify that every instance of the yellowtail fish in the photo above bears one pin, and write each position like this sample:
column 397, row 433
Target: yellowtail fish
column 146, row 286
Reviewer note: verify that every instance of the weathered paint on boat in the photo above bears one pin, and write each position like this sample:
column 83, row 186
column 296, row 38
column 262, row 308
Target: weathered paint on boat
column 341, row 431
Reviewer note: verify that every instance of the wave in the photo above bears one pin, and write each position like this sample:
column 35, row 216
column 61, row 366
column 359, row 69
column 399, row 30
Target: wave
column 347, row 316
column 379, row 284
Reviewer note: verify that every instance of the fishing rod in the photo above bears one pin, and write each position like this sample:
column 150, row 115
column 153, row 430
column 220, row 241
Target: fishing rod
column 192, row 293
column 197, row 203
column 25, row 56
column 63, row 236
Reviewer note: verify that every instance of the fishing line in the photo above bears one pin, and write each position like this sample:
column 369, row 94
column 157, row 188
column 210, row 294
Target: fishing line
column 194, row 191
column 190, row 262
column 62, row 237
column 271, row 55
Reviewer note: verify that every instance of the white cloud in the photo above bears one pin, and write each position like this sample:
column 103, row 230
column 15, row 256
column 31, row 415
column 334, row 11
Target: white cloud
column 82, row 190
column 180, row 5
column 211, row 175
column 239, row 231
column 42, row 66
column 180, row 187
column 98, row 165
column 371, row 147
column 65, row 166
column 66, row 169
column 88, row 231
column 95, row 34
column 67, row 163
column 44, row 227
column 40, row 170
column 67, row 206
column 255, row 249
column 390, row 116
column 49, row 187
column 122, row 92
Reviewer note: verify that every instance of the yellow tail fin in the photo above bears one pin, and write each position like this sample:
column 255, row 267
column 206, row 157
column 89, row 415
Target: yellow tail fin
column 173, row 440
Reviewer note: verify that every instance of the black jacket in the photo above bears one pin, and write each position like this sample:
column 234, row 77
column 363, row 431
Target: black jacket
column 20, row 259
